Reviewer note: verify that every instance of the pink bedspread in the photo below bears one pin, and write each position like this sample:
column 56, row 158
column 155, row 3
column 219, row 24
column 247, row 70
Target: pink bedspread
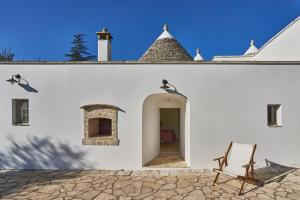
column 167, row 136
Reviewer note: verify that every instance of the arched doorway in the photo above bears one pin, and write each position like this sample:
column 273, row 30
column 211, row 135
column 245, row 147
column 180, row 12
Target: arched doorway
column 166, row 128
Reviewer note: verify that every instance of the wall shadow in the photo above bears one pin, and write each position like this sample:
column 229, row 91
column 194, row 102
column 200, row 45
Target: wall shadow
column 41, row 153
column 27, row 87
column 175, row 92
column 36, row 162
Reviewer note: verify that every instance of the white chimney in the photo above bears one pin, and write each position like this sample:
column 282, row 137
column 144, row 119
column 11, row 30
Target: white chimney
column 104, row 45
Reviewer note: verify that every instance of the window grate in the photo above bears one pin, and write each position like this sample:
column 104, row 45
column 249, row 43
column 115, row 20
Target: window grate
column 20, row 111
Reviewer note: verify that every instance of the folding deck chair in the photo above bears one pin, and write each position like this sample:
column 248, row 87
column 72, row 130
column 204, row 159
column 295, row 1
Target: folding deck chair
column 237, row 162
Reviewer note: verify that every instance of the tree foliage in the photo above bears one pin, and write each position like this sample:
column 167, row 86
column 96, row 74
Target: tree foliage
column 79, row 50
column 6, row 55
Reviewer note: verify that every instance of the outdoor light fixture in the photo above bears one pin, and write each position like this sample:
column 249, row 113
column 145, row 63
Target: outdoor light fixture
column 15, row 79
column 166, row 85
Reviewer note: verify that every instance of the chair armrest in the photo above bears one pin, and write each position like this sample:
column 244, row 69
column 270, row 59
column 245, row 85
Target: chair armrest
column 248, row 165
column 219, row 158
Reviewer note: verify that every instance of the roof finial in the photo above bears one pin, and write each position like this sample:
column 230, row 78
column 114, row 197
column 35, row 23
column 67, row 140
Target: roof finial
column 165, row 27
column 252, row 49
column 165, row 33
column 198, row 56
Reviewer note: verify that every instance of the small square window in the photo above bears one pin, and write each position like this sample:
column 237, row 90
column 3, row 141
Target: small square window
column 274, row 115
column 20, row 111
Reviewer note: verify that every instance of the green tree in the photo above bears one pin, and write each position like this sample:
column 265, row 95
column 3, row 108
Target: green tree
column 79, row 50
column 6, row 55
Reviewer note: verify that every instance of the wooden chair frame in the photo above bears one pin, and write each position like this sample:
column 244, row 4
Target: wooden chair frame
column 249, row 168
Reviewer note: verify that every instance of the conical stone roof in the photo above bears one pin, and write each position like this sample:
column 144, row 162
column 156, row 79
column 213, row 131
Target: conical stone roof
column 166, row 49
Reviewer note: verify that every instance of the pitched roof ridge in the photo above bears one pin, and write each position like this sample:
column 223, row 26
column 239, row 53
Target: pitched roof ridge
column 278, row 34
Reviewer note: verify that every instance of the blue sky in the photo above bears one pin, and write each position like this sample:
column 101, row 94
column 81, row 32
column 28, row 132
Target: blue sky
column 44, row 28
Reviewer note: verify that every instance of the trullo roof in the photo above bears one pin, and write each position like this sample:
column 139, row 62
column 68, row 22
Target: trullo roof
column 166, row 49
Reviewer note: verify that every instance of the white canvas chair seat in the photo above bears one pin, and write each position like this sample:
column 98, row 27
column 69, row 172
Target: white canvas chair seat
column 238, row 156
column 237, row 162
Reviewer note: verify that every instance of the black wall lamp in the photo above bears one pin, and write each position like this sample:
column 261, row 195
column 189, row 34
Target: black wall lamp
column 15, row 79
column 166, row 85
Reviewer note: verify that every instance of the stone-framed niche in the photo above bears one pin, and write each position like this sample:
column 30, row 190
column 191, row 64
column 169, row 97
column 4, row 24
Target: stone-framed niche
column 100, row 124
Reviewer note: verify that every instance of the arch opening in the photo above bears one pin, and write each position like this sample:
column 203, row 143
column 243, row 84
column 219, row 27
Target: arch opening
column 166, row 131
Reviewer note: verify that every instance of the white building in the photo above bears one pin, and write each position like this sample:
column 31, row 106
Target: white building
column 115, row 115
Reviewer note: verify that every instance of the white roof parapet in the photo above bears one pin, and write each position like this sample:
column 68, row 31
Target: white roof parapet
column 247, row 56
column 233, row 58
column 252, row 49
column 198, row 56
column 165, row 33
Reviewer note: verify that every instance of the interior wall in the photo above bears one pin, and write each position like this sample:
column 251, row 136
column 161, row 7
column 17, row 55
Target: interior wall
column 170, row 119
column 151, row 138
column 183, row 132
column 186, row 138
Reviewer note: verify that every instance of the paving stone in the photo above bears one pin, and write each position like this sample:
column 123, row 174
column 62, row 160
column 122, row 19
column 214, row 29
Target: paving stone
column 104, row 196
column 83, row 186
column 168, row 186
column 125, row 198
column 177, row 197
column 121, row 183
column 197, row 194
column 295, row 195
column 264, row 196
column 89, row 195
column 182, row 184
column 291, row 186
column 165, row 193
column 147, row 185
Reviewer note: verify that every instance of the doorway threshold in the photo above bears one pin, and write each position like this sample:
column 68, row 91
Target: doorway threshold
column 167, row 160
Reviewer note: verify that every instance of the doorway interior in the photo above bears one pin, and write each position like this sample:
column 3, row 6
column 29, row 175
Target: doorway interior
column 169, row 134
column 166, row 131
column 169, row 131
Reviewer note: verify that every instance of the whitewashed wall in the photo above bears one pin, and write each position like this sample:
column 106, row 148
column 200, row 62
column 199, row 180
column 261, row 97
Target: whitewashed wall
column 226, row 103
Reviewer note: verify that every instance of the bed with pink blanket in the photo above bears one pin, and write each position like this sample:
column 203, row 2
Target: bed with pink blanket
column 167, row 136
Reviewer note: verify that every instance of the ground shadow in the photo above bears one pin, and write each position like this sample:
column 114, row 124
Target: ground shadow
column 29, row 157
column 16, row 181
column 272, row 172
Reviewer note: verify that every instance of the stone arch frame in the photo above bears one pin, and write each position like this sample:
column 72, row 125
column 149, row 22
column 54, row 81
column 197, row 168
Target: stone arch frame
column 151, row 120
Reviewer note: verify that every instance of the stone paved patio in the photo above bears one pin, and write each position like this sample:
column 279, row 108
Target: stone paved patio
column 148, row 185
